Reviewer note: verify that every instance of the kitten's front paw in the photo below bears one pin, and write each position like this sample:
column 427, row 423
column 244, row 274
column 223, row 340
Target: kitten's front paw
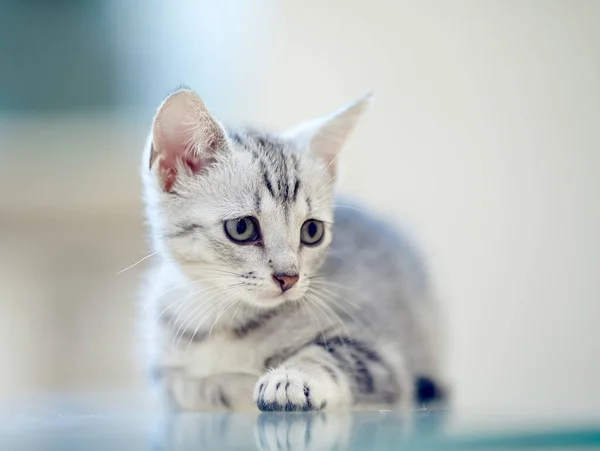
column 286, row 389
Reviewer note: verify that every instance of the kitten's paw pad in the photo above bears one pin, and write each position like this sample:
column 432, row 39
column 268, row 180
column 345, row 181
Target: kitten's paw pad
column 288, row 390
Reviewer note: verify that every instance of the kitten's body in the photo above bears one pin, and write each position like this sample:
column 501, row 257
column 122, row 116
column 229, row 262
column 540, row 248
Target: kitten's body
column 361, row 328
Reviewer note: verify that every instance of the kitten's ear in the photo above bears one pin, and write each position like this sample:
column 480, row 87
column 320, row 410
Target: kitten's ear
column 326, row 136
column 185, row 138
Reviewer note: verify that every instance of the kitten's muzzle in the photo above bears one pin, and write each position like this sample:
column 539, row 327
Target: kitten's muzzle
column 285, row 281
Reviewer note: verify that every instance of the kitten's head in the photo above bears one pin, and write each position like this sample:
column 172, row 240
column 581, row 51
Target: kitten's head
column 248, row 213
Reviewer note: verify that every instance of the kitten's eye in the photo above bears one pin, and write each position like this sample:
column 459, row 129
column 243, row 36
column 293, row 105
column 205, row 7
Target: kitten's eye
column 242, row 230
column 312, row 232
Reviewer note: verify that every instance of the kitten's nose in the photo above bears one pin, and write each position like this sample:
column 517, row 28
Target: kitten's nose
column 285, row 281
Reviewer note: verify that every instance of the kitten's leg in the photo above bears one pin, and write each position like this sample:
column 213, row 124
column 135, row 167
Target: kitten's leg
column 335, row 373
column 230, row 391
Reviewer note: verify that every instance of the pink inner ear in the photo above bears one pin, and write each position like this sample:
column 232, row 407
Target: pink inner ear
column 185, row 138
column 175, row 160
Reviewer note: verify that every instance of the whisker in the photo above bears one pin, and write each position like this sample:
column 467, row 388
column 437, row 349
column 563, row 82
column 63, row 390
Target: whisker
column 204, row 291
column 220, row 271
column 322, row 281
column 137, row 263
column 193, row 294
column 318, row 303
column 317, row 320
column 350, row 207
column 185, row 324
column 330, row 184
column 181, row 285
column 205, row 314
column 231, row 302
column 184, row 304
column 365, row 322
column 335, row 295
column 240, row 304
column 158, row 296
column 321, row 305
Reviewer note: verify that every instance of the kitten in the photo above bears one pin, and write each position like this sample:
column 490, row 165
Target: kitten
column 268, row 294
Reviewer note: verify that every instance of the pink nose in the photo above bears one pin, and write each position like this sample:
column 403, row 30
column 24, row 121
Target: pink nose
column 285, row 281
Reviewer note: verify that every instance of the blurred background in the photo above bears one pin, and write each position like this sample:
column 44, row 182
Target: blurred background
column 484, row 139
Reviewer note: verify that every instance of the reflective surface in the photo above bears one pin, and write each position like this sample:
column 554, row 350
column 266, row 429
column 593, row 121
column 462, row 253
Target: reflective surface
column 379, row 430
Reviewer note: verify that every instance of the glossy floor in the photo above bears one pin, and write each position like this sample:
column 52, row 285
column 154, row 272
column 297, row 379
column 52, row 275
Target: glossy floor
column 379, row 430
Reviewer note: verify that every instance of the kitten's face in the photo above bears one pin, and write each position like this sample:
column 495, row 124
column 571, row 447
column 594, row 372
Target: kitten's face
column 252, row 223
column 248, row 215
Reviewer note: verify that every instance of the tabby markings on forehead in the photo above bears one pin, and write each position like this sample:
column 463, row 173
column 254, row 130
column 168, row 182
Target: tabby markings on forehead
column 279, row 169
column 257, row 201
column 296, row 188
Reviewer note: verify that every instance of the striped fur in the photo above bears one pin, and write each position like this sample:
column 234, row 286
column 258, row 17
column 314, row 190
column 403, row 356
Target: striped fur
column 359, row 328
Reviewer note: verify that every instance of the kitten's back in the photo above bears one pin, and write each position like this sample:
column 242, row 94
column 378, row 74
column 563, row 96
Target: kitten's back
column 381, row 270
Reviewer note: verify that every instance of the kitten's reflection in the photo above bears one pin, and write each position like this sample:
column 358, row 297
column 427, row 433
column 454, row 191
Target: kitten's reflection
column 302, row 431
column 265, row 432
column 295, row 431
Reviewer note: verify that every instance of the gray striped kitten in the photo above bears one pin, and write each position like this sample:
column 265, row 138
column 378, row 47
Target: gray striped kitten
column 267, row 294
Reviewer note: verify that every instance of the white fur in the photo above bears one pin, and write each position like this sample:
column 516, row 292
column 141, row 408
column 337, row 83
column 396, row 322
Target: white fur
column 200, row 292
